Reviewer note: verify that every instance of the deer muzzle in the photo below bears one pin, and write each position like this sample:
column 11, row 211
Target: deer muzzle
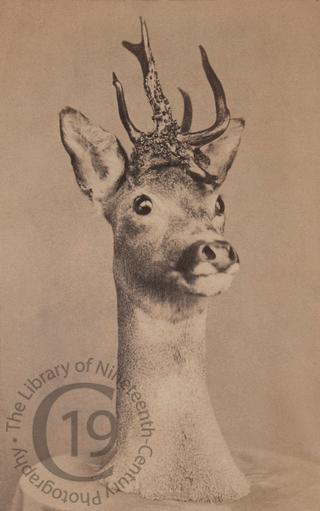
column 203, row 258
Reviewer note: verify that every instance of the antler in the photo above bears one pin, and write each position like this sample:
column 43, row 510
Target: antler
column 187, row 114
column 199, row 138
column 162, row 114
column 132, row 131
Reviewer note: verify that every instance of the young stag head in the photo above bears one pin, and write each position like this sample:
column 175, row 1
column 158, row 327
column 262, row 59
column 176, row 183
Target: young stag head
column 167, row 216
column 163, row 201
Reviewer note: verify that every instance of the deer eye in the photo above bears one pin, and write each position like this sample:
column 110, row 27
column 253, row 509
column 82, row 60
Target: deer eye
column 142, row 205
column 219, row 206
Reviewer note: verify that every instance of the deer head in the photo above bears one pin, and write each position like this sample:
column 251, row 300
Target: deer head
column 163, row 201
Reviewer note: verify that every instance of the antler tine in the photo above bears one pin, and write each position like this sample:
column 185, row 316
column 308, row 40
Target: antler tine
column 159, row 103
column 200, row 138
column 132, row 131
column 187, row 114
column 142, row 50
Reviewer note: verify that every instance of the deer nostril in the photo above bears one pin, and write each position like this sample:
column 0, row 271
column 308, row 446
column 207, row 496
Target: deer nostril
column 233, row 255
column 208, row 252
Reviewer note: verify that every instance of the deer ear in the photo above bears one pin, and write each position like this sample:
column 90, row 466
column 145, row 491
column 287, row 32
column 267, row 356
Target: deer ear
column 97, row 157
column 223, row 150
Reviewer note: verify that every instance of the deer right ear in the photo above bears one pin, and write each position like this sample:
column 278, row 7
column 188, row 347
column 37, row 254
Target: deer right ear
column 97, row 157
column 223, row 150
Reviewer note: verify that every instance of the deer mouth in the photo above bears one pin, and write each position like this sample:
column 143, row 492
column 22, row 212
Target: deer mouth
column 205, row 279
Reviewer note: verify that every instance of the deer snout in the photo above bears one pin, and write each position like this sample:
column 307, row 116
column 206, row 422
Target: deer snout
column 219, row 254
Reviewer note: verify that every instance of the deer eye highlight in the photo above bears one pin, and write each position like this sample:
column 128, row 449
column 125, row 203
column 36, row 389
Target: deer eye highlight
column 142, row 205
column 220, row 206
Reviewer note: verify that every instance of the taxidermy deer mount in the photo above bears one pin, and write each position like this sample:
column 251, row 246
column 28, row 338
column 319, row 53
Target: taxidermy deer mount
column 170, row 255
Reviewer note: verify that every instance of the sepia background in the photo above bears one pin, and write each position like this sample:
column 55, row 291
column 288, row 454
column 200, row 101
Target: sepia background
column 57, row 296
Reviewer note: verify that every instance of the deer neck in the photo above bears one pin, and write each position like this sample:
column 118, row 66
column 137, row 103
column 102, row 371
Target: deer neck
column 152, row 344
column 164, row 409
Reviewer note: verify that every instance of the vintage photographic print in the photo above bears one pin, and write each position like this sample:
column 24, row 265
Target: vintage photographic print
column 160, row 241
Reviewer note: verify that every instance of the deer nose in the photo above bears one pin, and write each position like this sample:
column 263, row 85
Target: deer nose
column 220, row 253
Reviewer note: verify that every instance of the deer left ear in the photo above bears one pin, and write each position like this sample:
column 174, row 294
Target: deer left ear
column 223, row 150
column 97, row 157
